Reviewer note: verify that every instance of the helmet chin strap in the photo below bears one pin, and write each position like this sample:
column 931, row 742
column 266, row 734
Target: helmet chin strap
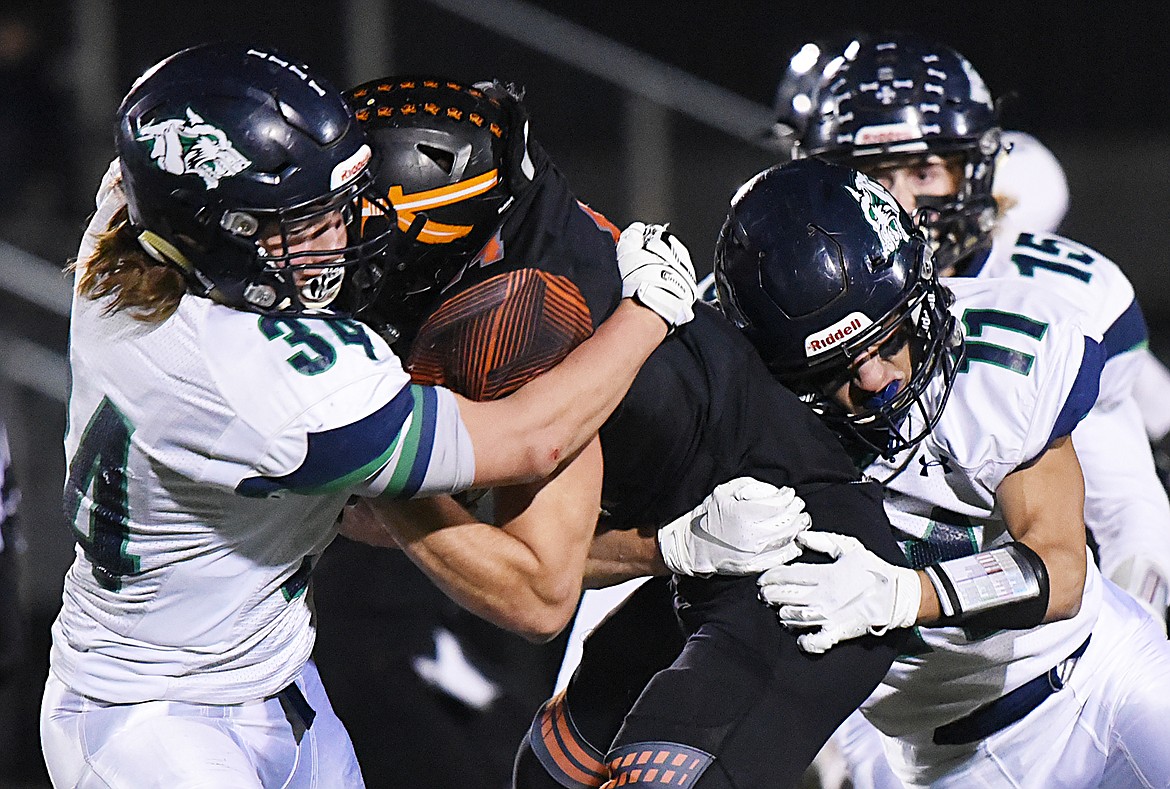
column 165, row 252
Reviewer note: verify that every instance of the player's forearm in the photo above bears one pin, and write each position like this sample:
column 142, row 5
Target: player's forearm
column 1067, row 566
column 481, row 567
column 929, row 608
column 1043, row 506
column 1064, row 585
column 617, row 556
column 525, row 436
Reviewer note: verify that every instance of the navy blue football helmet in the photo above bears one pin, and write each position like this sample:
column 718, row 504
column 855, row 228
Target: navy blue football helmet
column 811, row 67
column 817, row 264
column 905, row 96
column 223, row 147
column 453, row 159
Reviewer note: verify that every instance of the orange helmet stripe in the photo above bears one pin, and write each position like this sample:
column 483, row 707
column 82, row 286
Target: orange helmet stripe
column 436, row 232
column 444, row 195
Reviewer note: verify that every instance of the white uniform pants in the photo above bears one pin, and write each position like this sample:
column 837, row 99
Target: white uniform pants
column 89, row 744
column 1108, row 727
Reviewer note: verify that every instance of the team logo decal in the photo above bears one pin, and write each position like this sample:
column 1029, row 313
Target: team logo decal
column 880, row 211
column 190, row 145
column 943, row 462
column 346, row 171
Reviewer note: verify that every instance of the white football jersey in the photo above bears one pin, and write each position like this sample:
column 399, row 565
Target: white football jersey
column 1029, row 375
column 1126, row 506
column 209, row 457
column 1088, row 279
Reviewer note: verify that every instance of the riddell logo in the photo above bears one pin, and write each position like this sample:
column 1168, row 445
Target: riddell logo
column 887, row 132
column 673, row 280
column 837, row 333
column 345, row 171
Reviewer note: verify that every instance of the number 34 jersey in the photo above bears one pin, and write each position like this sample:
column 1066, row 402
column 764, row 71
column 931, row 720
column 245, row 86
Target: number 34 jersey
column 1029, row 375
column 208, row 459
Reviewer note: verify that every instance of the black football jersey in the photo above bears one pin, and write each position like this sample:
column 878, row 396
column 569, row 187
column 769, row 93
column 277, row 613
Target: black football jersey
column 702, row 410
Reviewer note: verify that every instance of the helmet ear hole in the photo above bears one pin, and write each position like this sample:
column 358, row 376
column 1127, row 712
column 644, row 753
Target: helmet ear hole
column 444, row 160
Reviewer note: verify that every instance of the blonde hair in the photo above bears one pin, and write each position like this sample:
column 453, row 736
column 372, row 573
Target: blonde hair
column 147, row 289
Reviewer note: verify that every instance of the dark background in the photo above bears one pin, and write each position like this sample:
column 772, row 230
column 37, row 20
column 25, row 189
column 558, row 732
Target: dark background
column 1088, row 79
column 1091, row 80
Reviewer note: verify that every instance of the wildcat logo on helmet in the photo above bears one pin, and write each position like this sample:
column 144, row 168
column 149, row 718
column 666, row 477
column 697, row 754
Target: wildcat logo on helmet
column 880, row 211
column 840, row 331
column 190, row 145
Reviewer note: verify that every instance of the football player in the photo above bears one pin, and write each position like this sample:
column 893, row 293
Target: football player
column 916, row 116
column 509, row 271
column 960, row 397
column 1029, row 185
column 224, row 407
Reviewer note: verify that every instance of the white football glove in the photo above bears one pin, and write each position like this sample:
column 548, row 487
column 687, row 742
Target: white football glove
column 744, row 527
column 858, row 593
column 1147, row 581
column 656, row 271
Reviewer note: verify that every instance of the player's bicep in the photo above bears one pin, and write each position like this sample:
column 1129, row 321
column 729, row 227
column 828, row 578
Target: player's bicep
column 416, row 445
column 1043, row 507
column 556, row 519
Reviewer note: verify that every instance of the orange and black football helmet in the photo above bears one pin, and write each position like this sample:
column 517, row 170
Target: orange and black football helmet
column 452, row 158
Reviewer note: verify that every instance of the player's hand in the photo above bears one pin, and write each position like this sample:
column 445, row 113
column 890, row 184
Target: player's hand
column 360, row 523
column 657, row 272
column 1146, row 581
column 744, row 527
column 858, row 593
